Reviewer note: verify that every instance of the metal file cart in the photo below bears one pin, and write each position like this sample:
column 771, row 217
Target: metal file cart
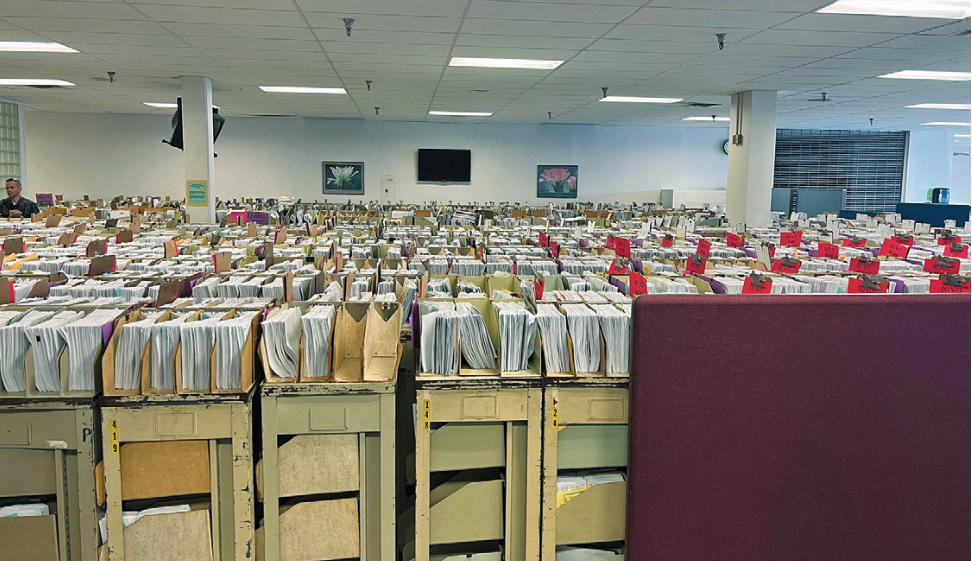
column 49, row 447
column 477, row 470
column 585, row 430
column 343, row 445
column 223, row 422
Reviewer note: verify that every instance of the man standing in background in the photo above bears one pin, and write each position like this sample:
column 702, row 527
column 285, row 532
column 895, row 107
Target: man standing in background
column 15, row 206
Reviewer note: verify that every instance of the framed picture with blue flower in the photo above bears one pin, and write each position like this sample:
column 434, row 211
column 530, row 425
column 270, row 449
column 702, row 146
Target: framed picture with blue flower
column 343, row 178
column 557, row 182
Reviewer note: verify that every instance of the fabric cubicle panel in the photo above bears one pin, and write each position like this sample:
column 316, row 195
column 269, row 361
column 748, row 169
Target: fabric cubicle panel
column 800, row 428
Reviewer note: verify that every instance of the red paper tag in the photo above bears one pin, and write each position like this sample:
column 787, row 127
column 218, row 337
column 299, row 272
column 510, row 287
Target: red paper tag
column 555, row 249
column 703, row 248
column 856, row 286
column 828, row 250
column 733, row 240
column 791, row 239
column 514, row 266
column 957, row 251
column 544, row 242
column 752, row 287
column 942, row 240
column 10, row 291
column 849, row 242
column 616, row 268
column 610, row 243
column 772, row 250
column 867, row 267
column 637, row 284
column 939, row 287
column 892, row 248
column 667, row 241
column 780, row 267
column 695, row 266
column 935, row 265
column 538, row 288
column 622, row 247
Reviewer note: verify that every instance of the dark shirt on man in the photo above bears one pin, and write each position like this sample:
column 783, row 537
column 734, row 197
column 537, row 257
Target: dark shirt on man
column 26, row 207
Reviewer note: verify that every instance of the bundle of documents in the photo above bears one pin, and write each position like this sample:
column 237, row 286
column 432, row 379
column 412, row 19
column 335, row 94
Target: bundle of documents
column 409, row 291
column 197, row 339
column 251, row 288
column 730, row 284
column 386, row 286
column 359, row 290
column 165, row 339
column 47, row 344
column 15, row 345
column 529, row 292
column 132, row 341
column 517, row 330
column 553, row 332
column 24, row 510
column 582, row 323
column 474, row 342
column 281, row 337
column 231, row 335
column 440, row 286
column 466, row 287
column 569, row 486
column 440, row 340
column 274, row 289
column 578, row 285
column 468, row 268
column 84, row 338
column 317, row 326
column 616, row 328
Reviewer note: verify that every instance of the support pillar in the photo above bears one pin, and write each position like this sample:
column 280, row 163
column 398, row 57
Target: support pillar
column 197, row 139
column 750, row 182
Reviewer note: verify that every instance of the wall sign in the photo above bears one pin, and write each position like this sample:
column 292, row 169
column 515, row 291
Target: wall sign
column 197, row 192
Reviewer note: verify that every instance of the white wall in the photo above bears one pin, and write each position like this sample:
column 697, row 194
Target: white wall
column 929, row 163
column 961, row 192
column 106, row 155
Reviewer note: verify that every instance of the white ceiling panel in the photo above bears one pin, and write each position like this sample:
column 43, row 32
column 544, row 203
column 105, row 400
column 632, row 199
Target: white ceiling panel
column 661, row 48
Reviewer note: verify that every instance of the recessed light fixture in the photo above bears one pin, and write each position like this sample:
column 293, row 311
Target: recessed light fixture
column 631, row 99
column 946, row 124
column 505, row 63
column 945, row 9
column 34, row 47
column 303, row 90
column 460, row 114
column 33, row 82
column 167, row 105
column 929, row 75
column 963, row 136
column 940, row 106
column 707, row 119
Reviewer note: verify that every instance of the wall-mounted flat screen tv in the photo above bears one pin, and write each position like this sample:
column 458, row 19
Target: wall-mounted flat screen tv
column 435, row 165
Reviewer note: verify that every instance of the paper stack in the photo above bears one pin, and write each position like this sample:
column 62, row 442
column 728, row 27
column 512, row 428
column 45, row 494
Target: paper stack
column 15, row 345
column 47, row 345
column 474, row 342
column 281, row 338
column 132, row 342
column 517, row 331
column 582, row 323
column 553, row 331
column 317, row 325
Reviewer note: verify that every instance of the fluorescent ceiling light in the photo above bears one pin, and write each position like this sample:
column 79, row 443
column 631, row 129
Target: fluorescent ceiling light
column 505, row 63
column 34, row 47
column 963, row 136
column 167, row 105
column 940, row 106
column 33, row 82
column 460, row 114
column 630, row 99
column 946, row 9
column 946, row 124
column 707, row 119
column 298, row 89
column 929, row 75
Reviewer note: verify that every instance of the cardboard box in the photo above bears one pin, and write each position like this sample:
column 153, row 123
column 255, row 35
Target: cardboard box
column 184, row 536
column 314, row 464
column 151, row 470
column 382, row 342
column 31, row 538
column 316, row 530
column 347, row 362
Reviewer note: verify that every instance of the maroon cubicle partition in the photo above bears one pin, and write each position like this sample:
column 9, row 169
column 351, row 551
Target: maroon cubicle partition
column 789, row 428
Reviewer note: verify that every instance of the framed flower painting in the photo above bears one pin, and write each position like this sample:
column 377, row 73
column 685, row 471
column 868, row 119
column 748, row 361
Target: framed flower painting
column 557, row 182
column 343, row 178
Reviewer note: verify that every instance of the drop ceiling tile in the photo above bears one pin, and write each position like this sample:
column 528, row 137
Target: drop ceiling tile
column 386, row 48
column 956, row 45
column 241, row 56
column 646, row 58
column 752, row 49
column 523, row 41
column 86, row 38
column 548, row 12
column 384, row 23
column 905, row 56
column 677, row 47
column 857, row 23
column 240, row 31
column 702, row 35
column 284, row 5
column 99, row 50
column 43, row 24
column 550, row 29
column 64, row 9
column 436, row 8
column 709, row 18
column 225, row 16
column 390, row 37
column 369, row 59
column 818, row 38
column 253, row 44
column 341, row 67
column 512, row 52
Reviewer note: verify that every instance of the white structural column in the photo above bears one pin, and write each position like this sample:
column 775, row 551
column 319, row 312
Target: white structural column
column 749, row 189
column 197, row 139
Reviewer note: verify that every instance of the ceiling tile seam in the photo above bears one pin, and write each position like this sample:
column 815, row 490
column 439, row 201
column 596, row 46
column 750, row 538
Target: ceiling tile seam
column 553, row 72
column 329, row 61
column 445, row 66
